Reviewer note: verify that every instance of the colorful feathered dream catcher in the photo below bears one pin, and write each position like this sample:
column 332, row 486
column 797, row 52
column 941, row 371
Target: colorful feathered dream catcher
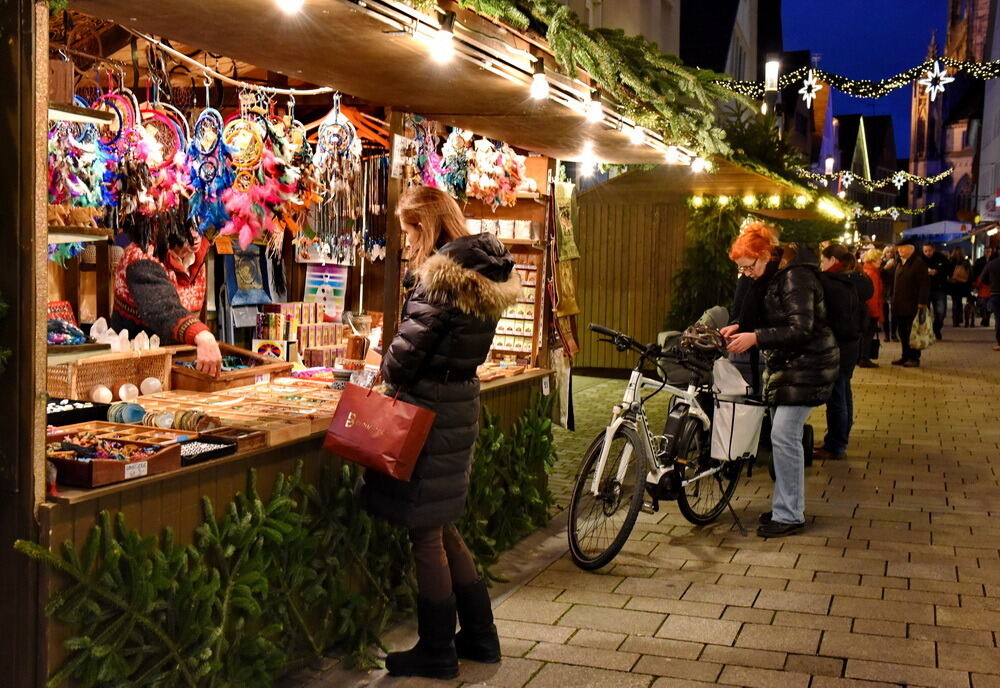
column 210, row 173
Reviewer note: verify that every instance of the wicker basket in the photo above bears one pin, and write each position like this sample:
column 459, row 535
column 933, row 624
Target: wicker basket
column 75, row 380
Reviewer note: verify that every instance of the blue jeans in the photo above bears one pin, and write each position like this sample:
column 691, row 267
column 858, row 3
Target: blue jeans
column 939, row 304
column 788, row 503
column 839, row 416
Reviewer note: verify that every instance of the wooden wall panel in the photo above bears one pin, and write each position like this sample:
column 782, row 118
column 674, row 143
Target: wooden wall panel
column 631, row 249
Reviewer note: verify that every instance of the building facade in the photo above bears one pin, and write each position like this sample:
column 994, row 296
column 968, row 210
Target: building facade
column 989, row 151
column 656, row 20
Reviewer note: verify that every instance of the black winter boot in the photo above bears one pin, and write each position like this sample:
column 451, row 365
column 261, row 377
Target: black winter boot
column 434, row 654
column 478, row 640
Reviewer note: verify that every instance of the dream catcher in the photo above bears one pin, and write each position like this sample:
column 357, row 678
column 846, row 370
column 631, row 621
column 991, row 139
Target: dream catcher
column 77, row 164
column 455, row 163
column 166, row 141
column 210, row 172
column 338, row 175
column 376, row 198
column 428, row 159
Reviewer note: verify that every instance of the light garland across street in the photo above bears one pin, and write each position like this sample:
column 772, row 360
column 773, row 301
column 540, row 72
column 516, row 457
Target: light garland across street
column 898, row 178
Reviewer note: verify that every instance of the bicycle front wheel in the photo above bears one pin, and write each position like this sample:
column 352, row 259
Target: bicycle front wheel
column 703, row 499
column 599, row 524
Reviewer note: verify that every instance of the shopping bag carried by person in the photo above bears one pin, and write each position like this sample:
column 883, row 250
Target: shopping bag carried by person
column 379, row 432
column 922, row 334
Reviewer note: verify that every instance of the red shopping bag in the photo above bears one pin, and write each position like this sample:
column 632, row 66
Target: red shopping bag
column 379, row 432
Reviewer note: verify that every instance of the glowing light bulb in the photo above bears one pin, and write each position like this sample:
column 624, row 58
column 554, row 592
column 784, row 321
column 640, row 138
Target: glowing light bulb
column 290, row 6
column 443, row 48
column 539, row 82
column 699, row 165
column 698, row 201
column 723, row 200
column 638, row 135
column 593, row 107
column 588, row 162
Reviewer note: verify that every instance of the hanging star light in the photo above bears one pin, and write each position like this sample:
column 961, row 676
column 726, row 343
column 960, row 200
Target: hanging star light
column 810, row 88
column 899, row 179
column 846, row 178
column 894, row 214
column 935, row 81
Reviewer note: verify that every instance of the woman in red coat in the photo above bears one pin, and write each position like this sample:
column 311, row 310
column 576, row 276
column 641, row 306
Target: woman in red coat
column 870, row 264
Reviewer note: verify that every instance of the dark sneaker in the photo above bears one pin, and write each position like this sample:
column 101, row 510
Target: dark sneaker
column 774, row 529
column 912, row 364
column 865, row 363
column 823, row 454
column 899, row 361
column 764, row 518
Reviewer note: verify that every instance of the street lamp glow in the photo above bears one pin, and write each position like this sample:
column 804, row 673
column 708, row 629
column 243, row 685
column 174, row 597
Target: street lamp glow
column 771, row 68
column 588, row 162
column 443, row 47
column 539, row 82
column 828, row 165
column 290, row 6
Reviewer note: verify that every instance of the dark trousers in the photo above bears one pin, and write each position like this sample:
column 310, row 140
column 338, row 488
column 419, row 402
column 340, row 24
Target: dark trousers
column 889, row 326
column 958, row 297
column 905, row 326
column 994, row 305
column 839, row 415
column 868, row 339
column 985, row 306
column 443, row 561
column 939, row 304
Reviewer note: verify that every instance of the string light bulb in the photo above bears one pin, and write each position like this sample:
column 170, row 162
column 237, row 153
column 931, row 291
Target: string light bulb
column 594, row 109
column 588, row 162
column 637, row 136
column 444, row 40
column 539, row 82
column 290, row 6
column 699, row 165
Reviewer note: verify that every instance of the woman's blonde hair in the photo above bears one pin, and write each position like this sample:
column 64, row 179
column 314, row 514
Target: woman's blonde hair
column 872, row 255
column 437, row 216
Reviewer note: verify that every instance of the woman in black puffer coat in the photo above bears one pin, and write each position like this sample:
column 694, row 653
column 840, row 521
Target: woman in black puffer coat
column 801, row 364
column 458, row 287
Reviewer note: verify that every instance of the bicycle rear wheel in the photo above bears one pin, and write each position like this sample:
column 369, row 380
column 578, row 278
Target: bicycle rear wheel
column 704, row 499
column 600, row 524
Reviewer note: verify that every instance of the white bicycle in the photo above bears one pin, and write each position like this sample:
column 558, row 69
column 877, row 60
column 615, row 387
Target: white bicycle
column 627, row 461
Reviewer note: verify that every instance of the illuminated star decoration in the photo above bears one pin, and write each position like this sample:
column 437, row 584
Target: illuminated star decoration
column 810, row 87
column 899, row 179
column 894, row 214
column 936, row 80
column 847, row 178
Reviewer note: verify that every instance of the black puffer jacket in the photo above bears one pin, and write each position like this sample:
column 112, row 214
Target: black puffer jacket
column 801, row 356
column 447, row 327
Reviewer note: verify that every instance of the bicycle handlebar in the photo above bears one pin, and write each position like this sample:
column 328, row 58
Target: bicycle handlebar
column 600, row 329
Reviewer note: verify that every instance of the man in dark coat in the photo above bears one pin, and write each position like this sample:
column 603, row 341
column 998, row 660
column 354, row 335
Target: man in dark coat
column 911, row 290
column 939, row 269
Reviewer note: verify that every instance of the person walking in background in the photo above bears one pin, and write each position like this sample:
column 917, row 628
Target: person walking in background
column 991, row 279
column 983, row 291
column 876, row 306
column 846, row 292
column 960, row 285
column 457, row 286
column 939, row 269
column 801, row 362
column 888, row 273
column 911, row 289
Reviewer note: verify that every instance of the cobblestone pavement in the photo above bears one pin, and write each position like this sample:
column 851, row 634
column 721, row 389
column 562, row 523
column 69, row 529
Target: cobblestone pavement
column 895, row 581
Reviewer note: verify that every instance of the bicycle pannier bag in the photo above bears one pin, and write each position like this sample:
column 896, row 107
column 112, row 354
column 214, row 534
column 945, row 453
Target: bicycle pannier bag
column 735, row 427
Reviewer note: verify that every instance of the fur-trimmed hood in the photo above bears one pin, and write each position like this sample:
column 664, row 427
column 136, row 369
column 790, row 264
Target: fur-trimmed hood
column 474, row 273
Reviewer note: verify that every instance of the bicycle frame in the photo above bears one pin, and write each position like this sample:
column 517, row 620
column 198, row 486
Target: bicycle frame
column 631, row 412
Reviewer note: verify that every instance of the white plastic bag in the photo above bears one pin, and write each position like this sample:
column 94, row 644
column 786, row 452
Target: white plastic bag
column 735, row 427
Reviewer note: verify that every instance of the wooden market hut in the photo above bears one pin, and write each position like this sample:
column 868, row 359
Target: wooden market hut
column 632, row 232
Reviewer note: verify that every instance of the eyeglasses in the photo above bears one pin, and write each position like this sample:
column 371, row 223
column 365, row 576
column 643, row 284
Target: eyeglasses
column 748, row 269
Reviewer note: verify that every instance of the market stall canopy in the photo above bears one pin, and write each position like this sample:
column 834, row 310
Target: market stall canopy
column 346, row 46
column 939, row 232
column 726, row 179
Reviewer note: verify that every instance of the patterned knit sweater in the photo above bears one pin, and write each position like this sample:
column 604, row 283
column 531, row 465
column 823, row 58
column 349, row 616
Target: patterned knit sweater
column 159, row 297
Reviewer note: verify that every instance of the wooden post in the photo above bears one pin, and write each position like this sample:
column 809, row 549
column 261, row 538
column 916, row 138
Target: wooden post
column 24, row 25
column 393, row 247
column 105, row 280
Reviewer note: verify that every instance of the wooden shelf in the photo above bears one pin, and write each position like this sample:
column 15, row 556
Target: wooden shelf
column 533, row 243
column 520, row 378
column 68, row 353
column 515, row 317
column 64, row 112
column 68, row 235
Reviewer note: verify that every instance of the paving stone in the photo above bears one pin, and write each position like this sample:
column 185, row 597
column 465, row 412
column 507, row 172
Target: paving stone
column 712, row 631
column 535, row 611
column 659, row 586
column 597, row 599
column 533, row 631
column 603, row 640
column 662, row 647
column 754, row 582
column 906, row 675
column 749, row 614
column 815, row 666
column 720, row 594
column 860, row 646
column 793, row 601
column 512, row 672
column 822, row 623
column 670, row 682
column 515, row 647
column 763, row 659
column 584, row 656
column 685, row 608
column 774, row 559
column 831, row 682
column 942, row 572
column 614, row 620
column 961, row 636
column 762, row 678
column 563, row 675
column 778, row 638
column 699, row 670
column 781, row 572
column 879, row 627
column 880, row 609
column 841, row 564
column 818, row 588
column 963, row 617
column 576, row 580
column 969, row 658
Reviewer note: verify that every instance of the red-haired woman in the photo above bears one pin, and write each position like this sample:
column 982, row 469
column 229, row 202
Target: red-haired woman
column 801, row 363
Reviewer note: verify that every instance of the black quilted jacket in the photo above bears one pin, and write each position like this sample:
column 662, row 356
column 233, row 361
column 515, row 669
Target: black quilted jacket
column 800, row 352
column 447, row 327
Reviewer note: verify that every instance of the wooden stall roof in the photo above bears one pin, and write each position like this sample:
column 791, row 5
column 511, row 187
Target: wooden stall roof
column 726, row 179
column 335, row 43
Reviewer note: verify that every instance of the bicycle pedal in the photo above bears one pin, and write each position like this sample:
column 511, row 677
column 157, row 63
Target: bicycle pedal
column 650, row 507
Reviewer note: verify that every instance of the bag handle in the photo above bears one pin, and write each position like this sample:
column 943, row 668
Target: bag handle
column 378, row 378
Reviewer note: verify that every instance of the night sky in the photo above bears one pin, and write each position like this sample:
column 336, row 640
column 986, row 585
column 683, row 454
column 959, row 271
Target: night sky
column 867, row 39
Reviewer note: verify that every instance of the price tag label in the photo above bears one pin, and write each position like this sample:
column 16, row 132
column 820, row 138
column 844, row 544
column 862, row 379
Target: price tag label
column 136, row 469
column 545, row 387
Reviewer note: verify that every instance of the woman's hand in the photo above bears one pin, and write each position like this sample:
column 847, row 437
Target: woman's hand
column 742, row 342
column 729, row 330
column 209, row 356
